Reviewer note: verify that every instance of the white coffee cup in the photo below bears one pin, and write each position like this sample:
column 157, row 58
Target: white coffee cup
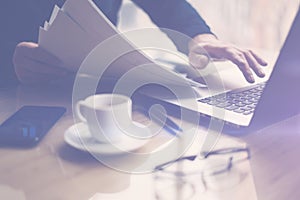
column 106, row 115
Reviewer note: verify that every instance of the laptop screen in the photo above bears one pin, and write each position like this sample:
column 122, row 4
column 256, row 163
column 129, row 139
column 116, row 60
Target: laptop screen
column 281, row 96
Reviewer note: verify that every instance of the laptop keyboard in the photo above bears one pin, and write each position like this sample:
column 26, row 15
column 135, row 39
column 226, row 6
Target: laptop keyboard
column 242, row 101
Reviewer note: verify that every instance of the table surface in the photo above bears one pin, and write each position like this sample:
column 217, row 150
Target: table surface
column 54, row 170
column 275, row 164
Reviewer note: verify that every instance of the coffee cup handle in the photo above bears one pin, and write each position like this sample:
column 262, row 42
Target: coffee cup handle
column 78, row 113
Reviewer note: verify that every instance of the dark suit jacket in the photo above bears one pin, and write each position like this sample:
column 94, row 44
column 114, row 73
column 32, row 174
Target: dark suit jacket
column 20, row 21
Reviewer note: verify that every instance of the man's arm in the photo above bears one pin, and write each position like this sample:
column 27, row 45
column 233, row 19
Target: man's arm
column 176, row 15
column 246, row 60
column 179, row 15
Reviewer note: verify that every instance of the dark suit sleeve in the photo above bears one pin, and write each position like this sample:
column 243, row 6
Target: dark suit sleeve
column 177, row 15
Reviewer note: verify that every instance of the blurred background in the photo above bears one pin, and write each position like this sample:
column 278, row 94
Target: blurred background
column 255, row 24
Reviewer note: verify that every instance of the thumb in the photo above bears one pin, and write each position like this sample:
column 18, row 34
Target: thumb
column 198, row 61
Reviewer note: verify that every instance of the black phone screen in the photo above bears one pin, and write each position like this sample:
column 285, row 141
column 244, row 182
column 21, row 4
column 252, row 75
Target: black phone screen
column 29, row 125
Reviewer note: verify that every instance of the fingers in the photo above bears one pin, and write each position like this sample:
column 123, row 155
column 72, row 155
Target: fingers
column 36, row 74
column 34, row 52
column 253, row 63
column 198, row 61
column 247, row 61
column 240, row 60
column 29, row 78
column 259, row 59
column 35, row 65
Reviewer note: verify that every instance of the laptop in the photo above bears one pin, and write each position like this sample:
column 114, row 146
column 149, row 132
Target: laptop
column 259, row 105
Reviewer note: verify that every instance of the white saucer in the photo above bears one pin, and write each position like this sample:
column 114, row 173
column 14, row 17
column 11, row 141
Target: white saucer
column 79, row 137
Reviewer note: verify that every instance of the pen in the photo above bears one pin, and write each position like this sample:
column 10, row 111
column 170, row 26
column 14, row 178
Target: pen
column 173, row 124
column 169, row 125
column 166, row 126
column 170, row 130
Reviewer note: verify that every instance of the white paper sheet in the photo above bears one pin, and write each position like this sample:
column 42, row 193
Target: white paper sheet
column 66, row 40
column 77, row 28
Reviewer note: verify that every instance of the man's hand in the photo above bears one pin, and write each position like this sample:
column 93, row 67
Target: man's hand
column 246, row 60
column 33, row 65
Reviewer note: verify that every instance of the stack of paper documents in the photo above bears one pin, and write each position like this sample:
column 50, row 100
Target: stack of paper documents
column 74, row 30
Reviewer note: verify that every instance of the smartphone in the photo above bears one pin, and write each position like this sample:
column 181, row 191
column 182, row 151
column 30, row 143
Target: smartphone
column 28, row 126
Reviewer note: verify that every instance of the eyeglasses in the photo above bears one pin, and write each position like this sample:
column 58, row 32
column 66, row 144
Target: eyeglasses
column 184, row 173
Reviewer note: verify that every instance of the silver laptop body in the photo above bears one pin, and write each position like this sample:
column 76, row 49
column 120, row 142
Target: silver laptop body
column 268, row 102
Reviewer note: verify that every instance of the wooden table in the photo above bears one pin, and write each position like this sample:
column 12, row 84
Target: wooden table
column 275, row 163
column 53, row 170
